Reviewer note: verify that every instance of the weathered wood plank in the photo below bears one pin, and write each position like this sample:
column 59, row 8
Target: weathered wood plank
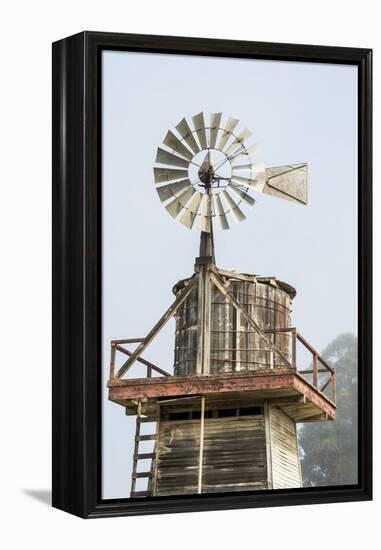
column 278, row 381
column 148, row 437
column 284, row 450
column 234, row 346
column 233, row 458
column 144, row 456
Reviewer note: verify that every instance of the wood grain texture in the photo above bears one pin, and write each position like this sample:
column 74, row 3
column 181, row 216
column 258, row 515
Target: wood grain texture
column 234, row 345
column 234, row 456
column 286, row 472
column 266, row 384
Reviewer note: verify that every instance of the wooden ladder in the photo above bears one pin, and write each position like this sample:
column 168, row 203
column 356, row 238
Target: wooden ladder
column 149, row 474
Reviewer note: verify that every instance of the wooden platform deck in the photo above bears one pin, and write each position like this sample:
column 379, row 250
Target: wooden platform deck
column 299, row 399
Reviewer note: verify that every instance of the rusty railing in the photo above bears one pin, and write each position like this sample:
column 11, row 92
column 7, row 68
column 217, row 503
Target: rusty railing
column 116, row 345
column 319, row 365
column 320, row 368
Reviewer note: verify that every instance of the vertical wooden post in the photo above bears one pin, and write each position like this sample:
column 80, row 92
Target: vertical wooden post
column 136, row 447
column 156, row 465
column 204, row 319
column 334, row 386
column 207, row 322
column 315, row 370
column 112, row 362
column 201, row 454
column 293, row 336
column 269, row 467
column 238, row 341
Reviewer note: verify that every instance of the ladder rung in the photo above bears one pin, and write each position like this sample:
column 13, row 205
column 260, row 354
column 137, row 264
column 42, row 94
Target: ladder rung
column 141, row 474
column 143, row 419
column 146, row 437
column 143, row 456
column 141, row 493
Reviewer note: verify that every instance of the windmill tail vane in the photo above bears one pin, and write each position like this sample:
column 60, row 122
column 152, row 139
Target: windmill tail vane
column 205, row 172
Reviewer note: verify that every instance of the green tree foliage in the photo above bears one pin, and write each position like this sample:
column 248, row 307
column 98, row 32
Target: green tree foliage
column 328, row 450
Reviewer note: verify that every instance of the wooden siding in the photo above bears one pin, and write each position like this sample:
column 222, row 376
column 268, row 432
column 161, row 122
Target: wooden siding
column 284, row 451
column 234, row 454
column 177, row 457
column 234, row 457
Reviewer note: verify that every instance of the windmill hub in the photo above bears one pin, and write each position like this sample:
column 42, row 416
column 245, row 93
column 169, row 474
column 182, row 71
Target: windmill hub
column 206, row 175
column 211, row 169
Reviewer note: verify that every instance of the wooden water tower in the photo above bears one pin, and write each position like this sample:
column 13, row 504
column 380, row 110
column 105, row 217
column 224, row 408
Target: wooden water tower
column 225, row 419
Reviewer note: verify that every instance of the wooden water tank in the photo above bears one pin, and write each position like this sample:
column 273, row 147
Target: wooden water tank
column 235, row 346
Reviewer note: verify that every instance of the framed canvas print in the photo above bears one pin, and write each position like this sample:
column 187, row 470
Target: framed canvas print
column 212, row 274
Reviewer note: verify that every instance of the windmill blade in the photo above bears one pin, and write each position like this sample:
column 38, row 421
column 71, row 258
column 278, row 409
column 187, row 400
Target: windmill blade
column 250, row 201
column 187, row 219
column 176, row 206
column 171, row 189
column 254, row 149
column 186, row 133
column 175, row 144
column 220, row 213
column 215, row 121
column 162, row 175
column 246, row 151
column 204, row 224
column 199, row 124
column 204, row 214
column 256, row 167
column 239, row 141
column 205, row 206
column 164, row 157
column 237, row 213
column 286, row 182
column 190, row 213
column 257, row 184
column 194, row 204
column 227, row 132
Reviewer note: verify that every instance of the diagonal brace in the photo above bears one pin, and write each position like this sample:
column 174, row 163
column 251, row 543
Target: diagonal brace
column 143, row 361
column 182, row 296
column 249, row 318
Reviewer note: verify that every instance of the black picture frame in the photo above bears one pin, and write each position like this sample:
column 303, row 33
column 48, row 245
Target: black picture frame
column 77, row 268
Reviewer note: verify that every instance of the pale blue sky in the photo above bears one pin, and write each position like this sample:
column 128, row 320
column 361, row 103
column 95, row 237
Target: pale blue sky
column 299, row 112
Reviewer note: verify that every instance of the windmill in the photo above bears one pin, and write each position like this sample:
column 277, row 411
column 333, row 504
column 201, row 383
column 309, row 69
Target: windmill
column 225, row 420
column 212, row 195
